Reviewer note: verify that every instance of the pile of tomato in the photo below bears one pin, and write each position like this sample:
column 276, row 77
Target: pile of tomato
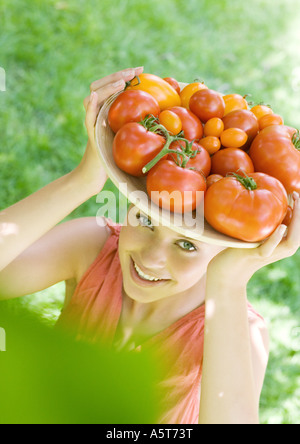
column 244, row 159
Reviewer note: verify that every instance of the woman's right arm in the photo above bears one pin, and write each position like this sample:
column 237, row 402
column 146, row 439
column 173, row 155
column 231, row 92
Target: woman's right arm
column 27, row 221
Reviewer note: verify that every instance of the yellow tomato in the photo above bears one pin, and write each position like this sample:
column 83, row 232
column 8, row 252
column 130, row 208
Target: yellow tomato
column 161, row 90
column 170, row 121
column 233, row 138
column 214, row 127
column 261, row 111
column 234, row 102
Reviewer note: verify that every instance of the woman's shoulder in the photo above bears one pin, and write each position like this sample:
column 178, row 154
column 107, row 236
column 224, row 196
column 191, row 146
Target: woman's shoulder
column 91, row 236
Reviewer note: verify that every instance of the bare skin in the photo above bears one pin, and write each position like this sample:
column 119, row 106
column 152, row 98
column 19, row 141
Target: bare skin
column 37, row 252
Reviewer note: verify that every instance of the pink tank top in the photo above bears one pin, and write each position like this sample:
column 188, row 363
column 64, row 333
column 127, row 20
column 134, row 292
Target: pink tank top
column 93, row 315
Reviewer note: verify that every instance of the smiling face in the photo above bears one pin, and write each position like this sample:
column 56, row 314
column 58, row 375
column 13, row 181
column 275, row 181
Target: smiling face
column 157, row 262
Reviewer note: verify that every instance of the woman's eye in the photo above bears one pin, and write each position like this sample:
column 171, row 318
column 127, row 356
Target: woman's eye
column 187, row 246
column 144, row 220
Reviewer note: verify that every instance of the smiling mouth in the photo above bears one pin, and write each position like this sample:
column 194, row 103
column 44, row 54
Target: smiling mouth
column 144, row 276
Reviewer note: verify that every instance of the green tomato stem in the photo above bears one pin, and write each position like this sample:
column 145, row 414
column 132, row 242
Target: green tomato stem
column 296, row 140
column 151, row 123
column 248, row 182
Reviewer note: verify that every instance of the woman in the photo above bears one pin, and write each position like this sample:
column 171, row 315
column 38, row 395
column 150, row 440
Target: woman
column 147, row 287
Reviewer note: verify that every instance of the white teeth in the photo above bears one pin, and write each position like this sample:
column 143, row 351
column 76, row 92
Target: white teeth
column 143, row 275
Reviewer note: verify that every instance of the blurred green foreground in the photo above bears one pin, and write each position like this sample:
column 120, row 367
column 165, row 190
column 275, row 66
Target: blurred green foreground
column 46, row 378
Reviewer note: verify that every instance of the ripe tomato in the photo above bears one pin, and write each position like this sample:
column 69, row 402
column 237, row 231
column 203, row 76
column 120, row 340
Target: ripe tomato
column 173, row 82
column 201, row 162
column 246, row 121
column 166, row 178
column 134, row 147
column 212, row 144
column 240, row 210
column 188, row 91
column 233, row 102
column 261, row 110
column 233, row 138
column 273, row 152
column 131, row 106
column 231, row 160
column 207, row 104
column 270, row 119
column 214, row 127
column 161, row 90
column 191, row 125
column 212, row 179
column 170, row 121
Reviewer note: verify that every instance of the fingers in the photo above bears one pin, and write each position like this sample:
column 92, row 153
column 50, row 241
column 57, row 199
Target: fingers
column 92, row 109
column 112, row 84
column 286, row 240
column 125, row 75
column 103, row 93
column 293, row 236
column 269, row 246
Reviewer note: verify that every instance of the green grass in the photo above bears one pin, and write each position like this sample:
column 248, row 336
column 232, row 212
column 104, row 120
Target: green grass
column 52, row 50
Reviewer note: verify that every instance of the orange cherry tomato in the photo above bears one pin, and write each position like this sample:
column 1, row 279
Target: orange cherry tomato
column 261, row 110
column 212, row 179
column 161, row 90
column 188, row 91
column 233, row 138
column 214, row 127
column 233, row 102
column 270, row 119
column 173, row 82
column 211, row 144
column 170, row 121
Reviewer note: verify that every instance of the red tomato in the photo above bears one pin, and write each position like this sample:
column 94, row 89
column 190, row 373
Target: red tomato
column 161, row 90
column 201, row 162
column 188, row 91
column 273, row 152
column 207, row 104
column 173, row 82
column 191, row 125
column 170, row 121
column 243, row 211
column 166, row 178
column 231, row 160
column 131, row 106
column 134, row 147
column 246, row 121
column 212, row 179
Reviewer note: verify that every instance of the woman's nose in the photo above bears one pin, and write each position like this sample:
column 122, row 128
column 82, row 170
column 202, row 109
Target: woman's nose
column 154, row 257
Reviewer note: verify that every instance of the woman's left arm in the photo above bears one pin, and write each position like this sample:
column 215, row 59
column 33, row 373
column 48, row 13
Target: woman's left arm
column 236, row 350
